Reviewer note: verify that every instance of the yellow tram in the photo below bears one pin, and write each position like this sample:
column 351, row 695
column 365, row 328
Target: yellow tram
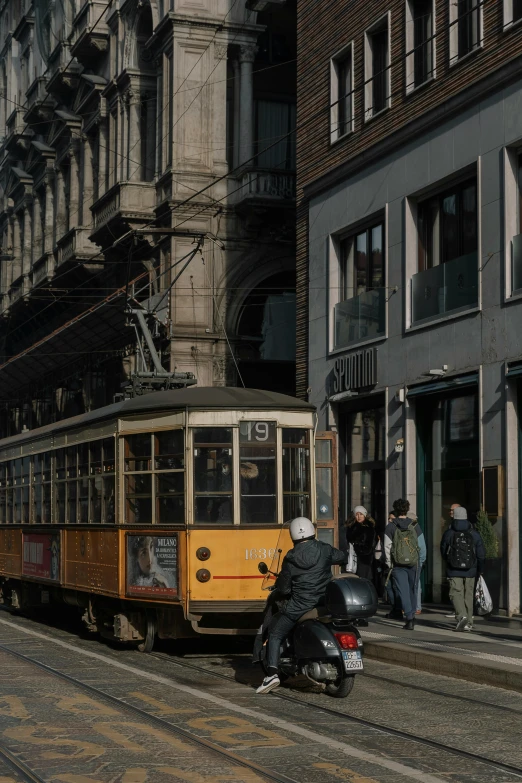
column 151, row 514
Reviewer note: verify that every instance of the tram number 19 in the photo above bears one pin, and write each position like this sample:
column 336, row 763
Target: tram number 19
column 259, row 554
column 257, row 432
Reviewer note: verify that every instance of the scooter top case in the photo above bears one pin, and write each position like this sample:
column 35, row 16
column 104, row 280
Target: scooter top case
column 351, row 596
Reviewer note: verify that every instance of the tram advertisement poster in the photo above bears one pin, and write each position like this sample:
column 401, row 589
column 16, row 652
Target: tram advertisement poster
column 41, row 555
column 152, row 565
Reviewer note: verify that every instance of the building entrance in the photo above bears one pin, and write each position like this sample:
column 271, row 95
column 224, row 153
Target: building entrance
column 448, row 472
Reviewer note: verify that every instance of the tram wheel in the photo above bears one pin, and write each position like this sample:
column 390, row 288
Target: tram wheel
column 148, row 643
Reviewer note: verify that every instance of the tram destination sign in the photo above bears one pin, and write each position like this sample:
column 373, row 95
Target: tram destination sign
column 356, row 371
column 152, row 565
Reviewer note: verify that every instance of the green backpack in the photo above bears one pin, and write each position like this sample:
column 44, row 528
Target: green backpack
column 405, row 547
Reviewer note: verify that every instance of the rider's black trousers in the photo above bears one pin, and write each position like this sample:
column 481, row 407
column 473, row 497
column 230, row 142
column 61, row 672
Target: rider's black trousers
column 279, row 629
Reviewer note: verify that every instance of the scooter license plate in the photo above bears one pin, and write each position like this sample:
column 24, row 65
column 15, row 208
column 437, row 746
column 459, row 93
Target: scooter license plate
column 352, row 660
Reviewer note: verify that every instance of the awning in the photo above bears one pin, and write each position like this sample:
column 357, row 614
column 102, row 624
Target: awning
column 99, row 330
column 447, row 384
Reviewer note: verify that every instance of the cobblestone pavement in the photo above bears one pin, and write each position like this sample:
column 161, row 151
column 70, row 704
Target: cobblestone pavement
column 76, row 710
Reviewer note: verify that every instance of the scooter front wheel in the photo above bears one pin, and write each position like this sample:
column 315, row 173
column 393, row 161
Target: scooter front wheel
column 341, row 687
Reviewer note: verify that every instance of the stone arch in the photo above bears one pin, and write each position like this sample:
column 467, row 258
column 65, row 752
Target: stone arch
column 141, row 23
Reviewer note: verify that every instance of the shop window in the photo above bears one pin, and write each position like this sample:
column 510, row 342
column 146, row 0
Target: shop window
column 420, row 43
column 517, row 239
column 377, row 68
column 257, row 471
column 296, row 473
column 365, row 450
column 341, row 94
column 360, row 314
column 3, row 493
column 447, row 253
column 465, row 27
column 213, row 475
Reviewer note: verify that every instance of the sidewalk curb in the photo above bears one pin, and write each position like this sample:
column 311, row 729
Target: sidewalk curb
column 498, row 675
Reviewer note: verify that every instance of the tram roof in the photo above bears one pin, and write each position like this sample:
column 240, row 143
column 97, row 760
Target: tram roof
column 194, row 398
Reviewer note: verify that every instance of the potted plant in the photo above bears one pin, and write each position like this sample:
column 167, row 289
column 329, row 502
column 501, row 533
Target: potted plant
column 493, row 564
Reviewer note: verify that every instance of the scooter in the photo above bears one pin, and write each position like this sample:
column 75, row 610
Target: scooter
column 325, row 646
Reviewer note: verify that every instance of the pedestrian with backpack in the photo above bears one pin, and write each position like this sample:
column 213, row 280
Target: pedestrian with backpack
column 463, row 550
column 405, row 551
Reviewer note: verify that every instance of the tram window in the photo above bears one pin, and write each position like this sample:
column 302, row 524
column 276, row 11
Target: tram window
column 95, row 494
column 3, row 493
column 109, row 498
column 213, row 475
column 138, row 498
column 83, row 459
column 257, row 467
column 95, row 457
column 60, row 503
column 71, row 456
column 170, row 497
column 72, row 495
column 108, row 455
column 169, row 451
column 83, row 500
column 296, row 473
column 138, row 452
column 59, row 463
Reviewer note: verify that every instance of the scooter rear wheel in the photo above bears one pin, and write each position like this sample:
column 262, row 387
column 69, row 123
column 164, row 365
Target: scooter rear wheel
column 341, row 687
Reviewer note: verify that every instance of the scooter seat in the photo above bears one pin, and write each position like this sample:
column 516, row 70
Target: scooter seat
column 316, row 613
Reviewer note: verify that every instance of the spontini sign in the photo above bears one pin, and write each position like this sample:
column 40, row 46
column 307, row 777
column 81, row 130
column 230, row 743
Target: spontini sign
column 355, row 371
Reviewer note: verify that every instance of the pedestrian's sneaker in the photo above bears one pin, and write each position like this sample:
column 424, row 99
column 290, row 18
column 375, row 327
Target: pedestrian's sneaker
column 468, row 627
column 451, row 616
column 269, row 683
column 461, row 625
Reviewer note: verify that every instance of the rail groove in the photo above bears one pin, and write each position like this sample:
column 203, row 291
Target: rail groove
column 361, row 721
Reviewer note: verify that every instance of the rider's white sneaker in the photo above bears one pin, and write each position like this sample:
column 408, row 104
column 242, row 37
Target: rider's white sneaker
column 269, row 683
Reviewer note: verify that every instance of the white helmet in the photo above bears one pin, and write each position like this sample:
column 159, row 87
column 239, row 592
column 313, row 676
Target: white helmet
column 301, row 528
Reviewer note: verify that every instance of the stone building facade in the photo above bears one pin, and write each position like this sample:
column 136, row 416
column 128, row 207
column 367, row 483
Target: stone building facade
column 146, row 161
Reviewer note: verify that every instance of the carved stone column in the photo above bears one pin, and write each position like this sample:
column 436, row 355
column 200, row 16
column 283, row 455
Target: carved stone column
column 37, row 229
column 88, row 179
column 135, row 164
column 74, row 188
column 237, row 97
column 28, row 239
column 17, row 249
column 150, row 141
column 59, row 204
column 247, row 54
column 103, row 160
column 49, row 216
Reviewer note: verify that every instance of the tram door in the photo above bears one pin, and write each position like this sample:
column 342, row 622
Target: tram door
column 327, row 487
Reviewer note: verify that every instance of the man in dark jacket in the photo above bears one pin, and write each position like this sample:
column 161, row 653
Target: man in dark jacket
column 463, row 550
column 303, row 579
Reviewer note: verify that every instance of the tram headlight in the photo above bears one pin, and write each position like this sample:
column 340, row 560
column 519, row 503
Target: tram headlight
column 203, row 553
column 203, row 575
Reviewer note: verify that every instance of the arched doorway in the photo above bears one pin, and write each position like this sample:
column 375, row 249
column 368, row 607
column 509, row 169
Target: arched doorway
column 265, row 347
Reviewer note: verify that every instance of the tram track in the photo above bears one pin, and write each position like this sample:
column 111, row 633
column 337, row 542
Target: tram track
column 398, row 733
column 124, row 706
column 16, row 765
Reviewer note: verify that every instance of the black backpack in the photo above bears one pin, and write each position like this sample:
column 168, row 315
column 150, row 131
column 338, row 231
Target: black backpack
column 461, row 551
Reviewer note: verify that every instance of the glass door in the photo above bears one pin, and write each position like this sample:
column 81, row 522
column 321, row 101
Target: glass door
column 326, row 487
column 365, row 463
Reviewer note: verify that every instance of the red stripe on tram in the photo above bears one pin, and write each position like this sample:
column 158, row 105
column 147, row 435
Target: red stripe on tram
column 239, row 577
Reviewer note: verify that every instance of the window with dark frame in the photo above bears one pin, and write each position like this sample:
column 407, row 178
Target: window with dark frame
column 379, row 55
column 517, row 10
column 422, row 13
column 342, row 98
column 468, row 26
column 362, row 261
column 448, row 225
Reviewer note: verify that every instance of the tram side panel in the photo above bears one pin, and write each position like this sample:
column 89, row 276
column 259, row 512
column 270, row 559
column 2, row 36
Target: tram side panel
column 91, row 561
column 10, row 552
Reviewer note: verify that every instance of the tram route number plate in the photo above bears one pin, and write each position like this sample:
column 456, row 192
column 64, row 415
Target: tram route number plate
column 352, row 660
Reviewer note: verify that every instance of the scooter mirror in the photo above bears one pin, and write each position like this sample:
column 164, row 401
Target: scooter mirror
column 262, row 568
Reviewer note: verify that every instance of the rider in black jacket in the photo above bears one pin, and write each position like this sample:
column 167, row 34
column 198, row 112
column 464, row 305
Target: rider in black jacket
column 302, row 581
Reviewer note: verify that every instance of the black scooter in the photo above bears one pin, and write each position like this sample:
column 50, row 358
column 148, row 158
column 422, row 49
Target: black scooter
column 325, row 646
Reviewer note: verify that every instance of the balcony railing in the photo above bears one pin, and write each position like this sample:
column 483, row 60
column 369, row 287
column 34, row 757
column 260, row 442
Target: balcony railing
column 517, row 263
column 265, row 184
column 446, row 288
column 360, row 318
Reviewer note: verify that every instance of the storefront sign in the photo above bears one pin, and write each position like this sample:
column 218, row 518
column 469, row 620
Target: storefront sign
column 152, row 565
column 356, row 371
column 41, row 555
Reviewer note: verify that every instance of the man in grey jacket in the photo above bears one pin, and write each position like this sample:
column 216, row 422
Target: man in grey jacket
column 463, row 550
